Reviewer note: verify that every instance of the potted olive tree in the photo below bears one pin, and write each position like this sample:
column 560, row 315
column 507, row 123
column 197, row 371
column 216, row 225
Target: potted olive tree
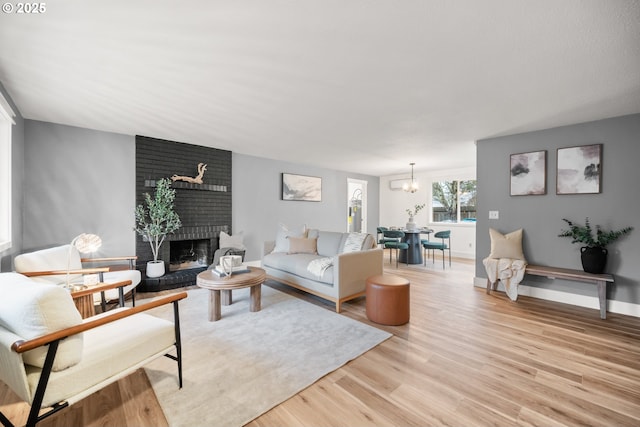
column 155, row 219
column 594, row 254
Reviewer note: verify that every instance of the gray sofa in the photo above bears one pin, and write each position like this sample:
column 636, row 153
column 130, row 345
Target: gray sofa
column 335, row 271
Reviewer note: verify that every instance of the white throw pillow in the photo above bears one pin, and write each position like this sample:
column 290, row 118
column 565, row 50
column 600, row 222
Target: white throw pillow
column 235, row 241
column 506, row 245
column 31, row 309
column 282, row 237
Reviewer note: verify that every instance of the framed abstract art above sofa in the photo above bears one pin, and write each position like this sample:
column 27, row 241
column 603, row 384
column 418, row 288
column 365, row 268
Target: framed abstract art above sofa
column 301, row 187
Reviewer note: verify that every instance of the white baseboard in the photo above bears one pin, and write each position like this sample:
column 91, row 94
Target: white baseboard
column 613, row 306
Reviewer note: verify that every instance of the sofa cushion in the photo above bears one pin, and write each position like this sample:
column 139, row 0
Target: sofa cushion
column 298, row 265
column 31, row 309
column 329, row 242
column 302, row 245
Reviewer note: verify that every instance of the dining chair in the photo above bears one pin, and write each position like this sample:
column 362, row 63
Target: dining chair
column 426, row 231
column 442, row 246
column 395, row 241
column 381, row 238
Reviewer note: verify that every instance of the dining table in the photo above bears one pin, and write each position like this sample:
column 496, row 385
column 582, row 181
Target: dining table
column 413, row 255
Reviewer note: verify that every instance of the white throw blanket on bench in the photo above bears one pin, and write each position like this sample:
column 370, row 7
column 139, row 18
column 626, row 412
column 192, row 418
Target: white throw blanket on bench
column 509, row 271
column 318, row 266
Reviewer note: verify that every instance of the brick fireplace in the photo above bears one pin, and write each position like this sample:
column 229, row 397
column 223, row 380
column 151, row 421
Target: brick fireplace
column 204, row 209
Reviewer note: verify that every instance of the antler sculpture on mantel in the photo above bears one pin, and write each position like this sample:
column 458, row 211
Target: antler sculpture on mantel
column 197, row 180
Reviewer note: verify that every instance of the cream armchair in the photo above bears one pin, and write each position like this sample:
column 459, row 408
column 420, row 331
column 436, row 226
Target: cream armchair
column 51, row 265
column 51, row 358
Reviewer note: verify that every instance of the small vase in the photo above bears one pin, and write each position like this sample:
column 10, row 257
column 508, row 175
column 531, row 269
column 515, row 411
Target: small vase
column 410, row 225
column 593, row 259
column 155, row 268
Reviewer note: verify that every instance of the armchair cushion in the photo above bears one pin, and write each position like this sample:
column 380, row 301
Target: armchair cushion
column 30, row 309
column 57, row 258
column 109, row 350
column 119, row 276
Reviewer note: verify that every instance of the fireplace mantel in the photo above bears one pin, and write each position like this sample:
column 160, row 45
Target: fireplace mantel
column 151, row 183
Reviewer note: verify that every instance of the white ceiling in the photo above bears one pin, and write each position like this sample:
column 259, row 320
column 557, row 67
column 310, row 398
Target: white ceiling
column 358, row 85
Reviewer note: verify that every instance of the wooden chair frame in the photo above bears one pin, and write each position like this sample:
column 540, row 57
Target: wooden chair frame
column 100, row 272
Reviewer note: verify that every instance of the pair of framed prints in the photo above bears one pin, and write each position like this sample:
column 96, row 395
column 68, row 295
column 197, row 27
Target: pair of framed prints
column 578, row 171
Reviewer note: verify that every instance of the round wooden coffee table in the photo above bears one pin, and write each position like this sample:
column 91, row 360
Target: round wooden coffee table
column 253, row 279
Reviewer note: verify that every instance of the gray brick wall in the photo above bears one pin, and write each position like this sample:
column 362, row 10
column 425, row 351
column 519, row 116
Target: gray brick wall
column 204, row 209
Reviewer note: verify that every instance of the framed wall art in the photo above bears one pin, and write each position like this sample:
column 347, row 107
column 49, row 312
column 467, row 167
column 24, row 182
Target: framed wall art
column 301, row 187
column 528, row 173
column 579, row 170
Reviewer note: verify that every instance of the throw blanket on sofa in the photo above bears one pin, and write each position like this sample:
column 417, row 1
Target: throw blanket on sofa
column 509, row 271
column 354, row 242
column 318, row 266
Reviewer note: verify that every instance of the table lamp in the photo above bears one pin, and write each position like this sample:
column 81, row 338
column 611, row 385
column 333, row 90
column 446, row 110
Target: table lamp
column 84, row 243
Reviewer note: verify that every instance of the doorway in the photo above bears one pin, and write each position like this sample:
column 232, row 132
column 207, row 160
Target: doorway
column 356, row 206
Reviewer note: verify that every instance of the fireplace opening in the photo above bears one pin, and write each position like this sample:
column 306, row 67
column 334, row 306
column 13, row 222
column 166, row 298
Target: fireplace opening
column 186, row 254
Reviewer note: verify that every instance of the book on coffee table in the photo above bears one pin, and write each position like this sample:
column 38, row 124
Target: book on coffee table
column 217, row 270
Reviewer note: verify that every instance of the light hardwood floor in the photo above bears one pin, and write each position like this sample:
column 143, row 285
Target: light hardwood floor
column 465, row 359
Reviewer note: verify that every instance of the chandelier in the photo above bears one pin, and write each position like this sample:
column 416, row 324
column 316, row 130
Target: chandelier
column 411, row 187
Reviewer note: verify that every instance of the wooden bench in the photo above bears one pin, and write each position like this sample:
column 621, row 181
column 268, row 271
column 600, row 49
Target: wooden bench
column 600, row 280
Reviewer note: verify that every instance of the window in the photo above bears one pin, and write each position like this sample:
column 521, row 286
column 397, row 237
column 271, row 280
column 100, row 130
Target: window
column 453, row 201
column 6, row 121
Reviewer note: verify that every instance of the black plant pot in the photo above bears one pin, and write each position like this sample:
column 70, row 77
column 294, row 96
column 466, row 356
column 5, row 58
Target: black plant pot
column 593, row 259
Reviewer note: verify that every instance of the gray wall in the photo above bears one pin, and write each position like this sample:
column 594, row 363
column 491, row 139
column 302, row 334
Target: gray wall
column 17, row 175
column 258, row 208
column 78, row 180
column 616, row 207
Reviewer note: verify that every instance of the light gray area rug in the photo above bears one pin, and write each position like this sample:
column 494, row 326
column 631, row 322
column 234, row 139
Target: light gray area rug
column 246, row 363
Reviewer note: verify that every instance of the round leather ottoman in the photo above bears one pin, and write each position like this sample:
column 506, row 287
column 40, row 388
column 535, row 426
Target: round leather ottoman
column 388, row 299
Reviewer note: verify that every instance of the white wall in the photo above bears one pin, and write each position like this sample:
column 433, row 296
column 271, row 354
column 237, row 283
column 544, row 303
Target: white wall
column 393, row 204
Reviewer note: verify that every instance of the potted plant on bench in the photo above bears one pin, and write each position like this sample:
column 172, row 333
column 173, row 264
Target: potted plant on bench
column 155, row 220
column 594, row 253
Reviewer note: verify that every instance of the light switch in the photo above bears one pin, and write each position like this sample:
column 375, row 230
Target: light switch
column 494, row 214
